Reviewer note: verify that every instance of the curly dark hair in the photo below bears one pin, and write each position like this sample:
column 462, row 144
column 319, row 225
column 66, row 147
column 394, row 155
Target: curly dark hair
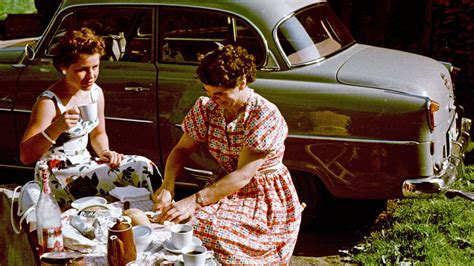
column 226, row 67
column 75, row 43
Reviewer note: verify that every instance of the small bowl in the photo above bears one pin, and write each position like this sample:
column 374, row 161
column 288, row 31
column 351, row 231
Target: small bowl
column 143, row 235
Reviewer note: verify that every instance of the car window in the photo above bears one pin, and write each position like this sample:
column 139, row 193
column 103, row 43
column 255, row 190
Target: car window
column 312, row 34
column 126, row 31
column 185, row 33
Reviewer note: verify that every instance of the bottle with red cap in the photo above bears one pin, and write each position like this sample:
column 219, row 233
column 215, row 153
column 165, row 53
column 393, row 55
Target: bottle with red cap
column 48, row 216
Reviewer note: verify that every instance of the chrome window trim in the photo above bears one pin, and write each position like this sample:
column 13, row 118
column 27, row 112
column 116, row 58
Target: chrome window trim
column 9, row 166
column 282, row 52
column 107, row 117
column 391, row 142
column 193, row 39
column 277, row 42
column 129, row 120
column 280, row 48
column 22, row 111
column 271, row 63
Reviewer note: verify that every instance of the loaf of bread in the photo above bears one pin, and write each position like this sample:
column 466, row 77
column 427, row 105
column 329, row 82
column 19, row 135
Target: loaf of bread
column 138, row 216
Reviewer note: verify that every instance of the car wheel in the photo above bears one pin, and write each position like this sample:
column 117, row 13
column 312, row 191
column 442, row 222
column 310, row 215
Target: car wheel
column 312, row 192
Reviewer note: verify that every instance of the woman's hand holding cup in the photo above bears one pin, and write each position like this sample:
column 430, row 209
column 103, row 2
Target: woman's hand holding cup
column 67, row 120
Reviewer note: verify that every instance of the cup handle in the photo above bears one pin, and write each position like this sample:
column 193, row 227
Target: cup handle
column 210, row 254
column 22, row 191
column 26, row 215
column 12, row 212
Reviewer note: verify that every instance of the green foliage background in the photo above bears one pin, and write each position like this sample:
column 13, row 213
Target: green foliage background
column 16, row 7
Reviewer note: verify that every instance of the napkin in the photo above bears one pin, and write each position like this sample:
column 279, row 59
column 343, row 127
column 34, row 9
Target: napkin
column 75, row 241
column 130, row 193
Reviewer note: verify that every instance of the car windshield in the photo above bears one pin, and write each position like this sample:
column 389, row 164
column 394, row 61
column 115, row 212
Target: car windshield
column 312, row 34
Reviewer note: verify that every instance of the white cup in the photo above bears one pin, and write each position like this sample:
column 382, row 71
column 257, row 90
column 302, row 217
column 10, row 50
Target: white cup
column 142, row 235
column 194, row 255
column 88, row 111
column 181, row 235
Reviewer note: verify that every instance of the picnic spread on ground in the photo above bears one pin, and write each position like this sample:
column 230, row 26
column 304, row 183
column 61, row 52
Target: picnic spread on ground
column 88, row 233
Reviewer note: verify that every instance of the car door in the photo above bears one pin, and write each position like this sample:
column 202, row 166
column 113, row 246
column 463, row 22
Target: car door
column 127, row 74
column 8, row 145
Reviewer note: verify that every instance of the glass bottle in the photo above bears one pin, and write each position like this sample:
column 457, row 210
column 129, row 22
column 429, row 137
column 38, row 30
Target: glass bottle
column 48, row 216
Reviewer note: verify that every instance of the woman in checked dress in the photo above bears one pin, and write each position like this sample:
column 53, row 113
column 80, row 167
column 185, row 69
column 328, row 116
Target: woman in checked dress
column 252, row 214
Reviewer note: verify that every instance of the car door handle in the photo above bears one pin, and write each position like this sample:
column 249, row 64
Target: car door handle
column 138, row 89
column 203, row 175
column 6, row 99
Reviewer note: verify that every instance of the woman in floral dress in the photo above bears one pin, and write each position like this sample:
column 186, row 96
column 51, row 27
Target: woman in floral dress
column 252, row 214
column 56, row 133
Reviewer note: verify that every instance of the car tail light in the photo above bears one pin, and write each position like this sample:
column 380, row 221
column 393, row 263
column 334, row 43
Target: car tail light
column 433, row 107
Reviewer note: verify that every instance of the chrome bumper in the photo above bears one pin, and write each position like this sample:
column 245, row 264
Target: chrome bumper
column 440, row 183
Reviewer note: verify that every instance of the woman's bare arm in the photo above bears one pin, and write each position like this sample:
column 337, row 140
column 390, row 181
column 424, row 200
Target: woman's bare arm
column 249, row 162
column 44, row 119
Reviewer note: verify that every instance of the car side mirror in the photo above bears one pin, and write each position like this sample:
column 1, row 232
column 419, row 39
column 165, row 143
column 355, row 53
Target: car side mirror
column 30, row 52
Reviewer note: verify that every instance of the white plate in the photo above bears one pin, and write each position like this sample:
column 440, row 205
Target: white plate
column 88, row 201
column 171, row 248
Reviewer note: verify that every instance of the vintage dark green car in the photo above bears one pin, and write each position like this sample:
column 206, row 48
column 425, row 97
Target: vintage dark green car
column 365, row 122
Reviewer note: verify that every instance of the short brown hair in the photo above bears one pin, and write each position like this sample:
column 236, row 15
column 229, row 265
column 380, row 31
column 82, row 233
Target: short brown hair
column 75, row 43
column 226, row 67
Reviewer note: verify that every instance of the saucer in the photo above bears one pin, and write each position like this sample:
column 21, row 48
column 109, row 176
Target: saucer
column 88, row 201
column 171, row 248
column 209, row 262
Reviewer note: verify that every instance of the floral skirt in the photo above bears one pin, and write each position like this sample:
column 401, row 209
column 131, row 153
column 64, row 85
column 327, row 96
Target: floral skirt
column 259, row 224
column 95, row 178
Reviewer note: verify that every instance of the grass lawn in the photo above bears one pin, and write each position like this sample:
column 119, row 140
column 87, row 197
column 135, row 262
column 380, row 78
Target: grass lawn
column 434, row 231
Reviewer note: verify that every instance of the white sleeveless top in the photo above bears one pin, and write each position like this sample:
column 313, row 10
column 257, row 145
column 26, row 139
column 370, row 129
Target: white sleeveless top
column 71, row 145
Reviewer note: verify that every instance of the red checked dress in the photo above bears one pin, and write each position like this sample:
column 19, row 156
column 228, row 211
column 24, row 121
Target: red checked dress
column 258, row 224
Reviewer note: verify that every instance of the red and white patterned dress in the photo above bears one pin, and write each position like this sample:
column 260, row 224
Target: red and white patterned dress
column 258, row 224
